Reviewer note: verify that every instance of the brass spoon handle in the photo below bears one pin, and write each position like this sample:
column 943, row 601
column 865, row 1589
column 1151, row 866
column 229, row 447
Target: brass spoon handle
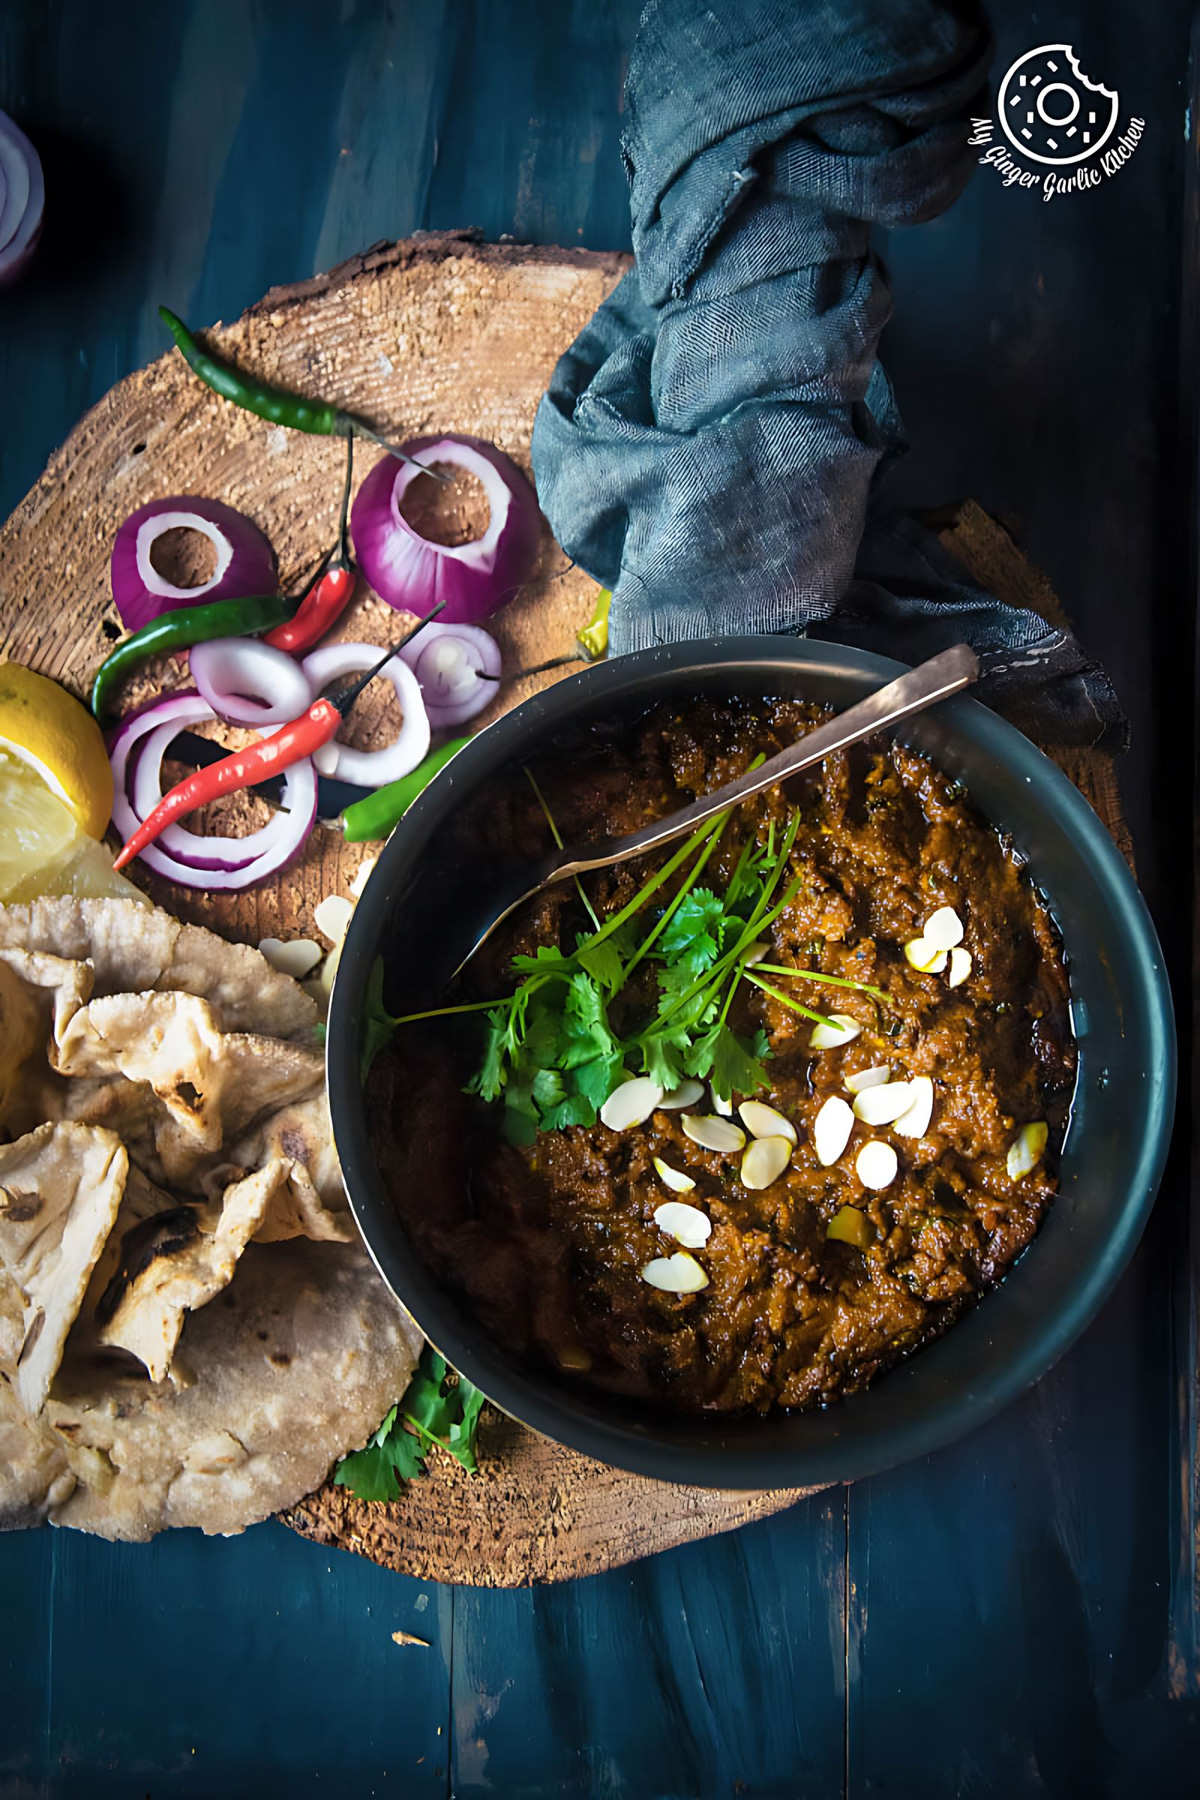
column 931, row 681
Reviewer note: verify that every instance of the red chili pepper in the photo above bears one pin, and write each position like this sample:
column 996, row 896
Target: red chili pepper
column 318, row 612
column 290, row 744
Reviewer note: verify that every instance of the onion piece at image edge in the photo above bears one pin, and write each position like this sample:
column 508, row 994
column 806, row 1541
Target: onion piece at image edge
column 247, row 682
column 213, row 861
column 411, row 572
column 371, row 768
column 245, row 561
column 458, row 667
column 22, row 200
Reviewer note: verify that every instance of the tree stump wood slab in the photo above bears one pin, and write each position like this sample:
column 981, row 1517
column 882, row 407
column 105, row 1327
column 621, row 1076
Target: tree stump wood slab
column 437, row 333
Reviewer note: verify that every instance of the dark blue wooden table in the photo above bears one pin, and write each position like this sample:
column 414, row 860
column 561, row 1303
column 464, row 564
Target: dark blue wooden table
column 1015, row 1616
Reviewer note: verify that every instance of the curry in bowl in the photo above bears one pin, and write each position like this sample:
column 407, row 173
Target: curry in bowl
column 737, row 1127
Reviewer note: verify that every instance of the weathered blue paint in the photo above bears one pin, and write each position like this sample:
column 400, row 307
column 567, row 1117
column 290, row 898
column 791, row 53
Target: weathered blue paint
column 1012, row 1617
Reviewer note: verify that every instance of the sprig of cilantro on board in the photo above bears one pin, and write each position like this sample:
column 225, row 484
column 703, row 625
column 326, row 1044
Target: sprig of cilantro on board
column 439, row 1409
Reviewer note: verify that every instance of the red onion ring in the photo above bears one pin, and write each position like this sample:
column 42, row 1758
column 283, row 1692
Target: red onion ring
column 454, row 691
column 214, row 862
column 245, row 560
column 371, row 768
column 247, row 682
column 22, row 200
column 411, row 573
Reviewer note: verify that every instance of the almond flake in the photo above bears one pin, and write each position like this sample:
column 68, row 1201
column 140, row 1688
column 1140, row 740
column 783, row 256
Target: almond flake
column 631, row 1103
column 943, row 929
column 876, row 1164
column 686, row 1224
column 831, row 1130
column 765, row 1160
column 1025, row 1151
column 724, row 1107
column 867, row 1078
column 676, row 1180
column 686, row 1094
column 332, row 917
column 713, row 1134
column 960, row 966
column 297, row 957
column 915, row 1122
column 841, row 1029
column 362, row 875
column 763, row 1121
column 880, row 1105
column 678, row 1274
column 925, row 956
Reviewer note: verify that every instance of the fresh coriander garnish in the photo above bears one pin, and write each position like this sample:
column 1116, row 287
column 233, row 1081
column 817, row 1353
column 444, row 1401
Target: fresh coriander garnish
column 552, row 1053
column 438, row 1409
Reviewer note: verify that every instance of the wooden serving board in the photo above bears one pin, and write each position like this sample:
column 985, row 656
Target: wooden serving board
column 437, row 333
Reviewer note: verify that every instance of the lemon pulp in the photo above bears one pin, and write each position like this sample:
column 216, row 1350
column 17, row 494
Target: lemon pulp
column 43, row 850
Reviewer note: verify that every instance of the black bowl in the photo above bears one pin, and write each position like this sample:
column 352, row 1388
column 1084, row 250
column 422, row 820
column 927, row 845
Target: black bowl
column 417, row 908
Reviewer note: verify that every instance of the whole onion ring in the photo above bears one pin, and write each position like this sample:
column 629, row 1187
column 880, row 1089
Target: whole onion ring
column 213, row 861
column 22, row 200
column 458, row 667
column 371, row 768
column 245, row 560
column 247, row 682
column 411, row 573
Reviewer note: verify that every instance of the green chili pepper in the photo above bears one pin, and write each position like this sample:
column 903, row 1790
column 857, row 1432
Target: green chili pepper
column 277, row 404
column 376, row 816
column 180, row 629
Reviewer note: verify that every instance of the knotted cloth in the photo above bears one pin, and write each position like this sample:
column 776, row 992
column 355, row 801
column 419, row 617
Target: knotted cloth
column 711, row 444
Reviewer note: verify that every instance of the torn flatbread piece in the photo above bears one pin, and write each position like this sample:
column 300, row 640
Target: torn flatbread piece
column 292, row 1365
column 308, row 1198
column 60, row 1189
column 133, row 948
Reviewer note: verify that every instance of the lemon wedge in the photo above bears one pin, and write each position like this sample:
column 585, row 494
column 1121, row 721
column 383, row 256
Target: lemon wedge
column 44, row 727
column 43, row 850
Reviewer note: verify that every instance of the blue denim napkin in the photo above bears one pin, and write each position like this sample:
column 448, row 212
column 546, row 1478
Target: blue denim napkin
column 710, row 445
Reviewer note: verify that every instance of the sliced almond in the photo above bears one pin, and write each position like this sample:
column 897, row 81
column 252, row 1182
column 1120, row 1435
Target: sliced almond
column 362, row 875
column 925, row 956
column 880, row 1105
column 1026, row 1150
column 943, row 929
column 841, row 1029
column 763, row 1121
column 678, row 1274
column 724, row 1107
column 686, row 1094
column 713, row 1134
column 297, row 957
column 876, row 1164
column 831, row 1130
column 765, row 1160
column 915, row 1122
column 867, row 1078
column 631, row 1103
column 676, row 1180
column 331, row 916
column 755, row 953
column 686, row 1224
column 960, row 966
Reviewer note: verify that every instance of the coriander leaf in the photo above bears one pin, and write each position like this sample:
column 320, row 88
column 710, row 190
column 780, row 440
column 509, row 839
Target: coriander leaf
column 391, row 1455
column 545, row 958
column 461, row 1439
column 662, row 1061
column 576, row 1109
column 585, row 1023
column 728, row 1062
column 520, row 1114
column 594, row 1081
column 602, row 962
column 690, row 931
column 488, row 1080
column 547, row 1089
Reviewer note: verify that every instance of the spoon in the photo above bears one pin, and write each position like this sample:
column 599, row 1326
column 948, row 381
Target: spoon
column 922, row 687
